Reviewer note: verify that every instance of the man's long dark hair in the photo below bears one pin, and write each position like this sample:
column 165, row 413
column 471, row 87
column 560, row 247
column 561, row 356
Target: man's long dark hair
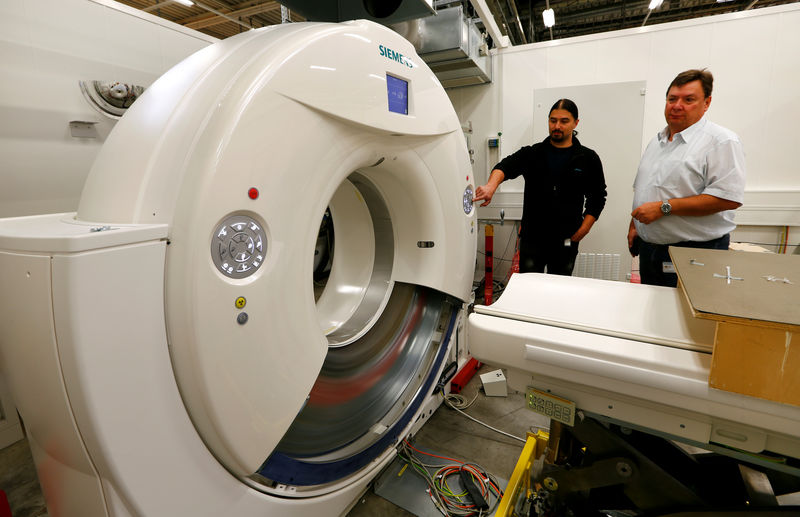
column 565, row 104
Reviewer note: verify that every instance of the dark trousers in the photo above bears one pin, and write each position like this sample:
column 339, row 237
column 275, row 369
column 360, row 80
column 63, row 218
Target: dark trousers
column 536, row 254
column 653, row 256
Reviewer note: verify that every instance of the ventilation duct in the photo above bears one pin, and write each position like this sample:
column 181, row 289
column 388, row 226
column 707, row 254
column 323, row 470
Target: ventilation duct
column 380, row 11
column 451, row 45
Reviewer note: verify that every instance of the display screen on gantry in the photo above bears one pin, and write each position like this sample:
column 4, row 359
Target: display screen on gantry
column 398, row 94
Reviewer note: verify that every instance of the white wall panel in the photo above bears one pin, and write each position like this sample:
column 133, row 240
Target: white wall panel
column 135, row 44
column 16, row 67
column 571, row 64
column 671, row 52
column 66, row 28
column 622, row 59
column 520, row 73
column 13, row 23
column 777, row 165
column 175, row 46
column 47, row 188
column 46, row 47
column 742, row 54
column 51, row 64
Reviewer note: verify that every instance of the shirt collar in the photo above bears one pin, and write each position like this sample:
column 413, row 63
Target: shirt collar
column 575, row 142
column 686, row 135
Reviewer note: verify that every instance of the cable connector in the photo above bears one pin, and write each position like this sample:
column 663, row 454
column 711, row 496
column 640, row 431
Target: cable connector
column 473, row 491
column 448, row 373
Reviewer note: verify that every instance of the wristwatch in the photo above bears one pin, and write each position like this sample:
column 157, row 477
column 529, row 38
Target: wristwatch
column 666, row 208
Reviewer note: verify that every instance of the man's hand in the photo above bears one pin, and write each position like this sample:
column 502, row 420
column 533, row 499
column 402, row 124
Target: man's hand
column 647, row 213
column 586, row 225
column 580, row 234
column 485, row 193
column 632, row 234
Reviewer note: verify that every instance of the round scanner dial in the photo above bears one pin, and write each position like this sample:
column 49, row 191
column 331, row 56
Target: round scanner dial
column 238, row 246
column 468, row 195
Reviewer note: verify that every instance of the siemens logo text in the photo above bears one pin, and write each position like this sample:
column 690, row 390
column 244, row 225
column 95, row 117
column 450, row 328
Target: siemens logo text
column 395, row 56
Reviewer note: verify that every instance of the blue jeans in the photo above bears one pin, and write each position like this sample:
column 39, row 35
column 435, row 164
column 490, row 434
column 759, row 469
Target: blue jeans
column 653, row 256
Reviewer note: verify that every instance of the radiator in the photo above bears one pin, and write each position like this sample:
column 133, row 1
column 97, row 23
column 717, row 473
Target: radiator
column 597, row 265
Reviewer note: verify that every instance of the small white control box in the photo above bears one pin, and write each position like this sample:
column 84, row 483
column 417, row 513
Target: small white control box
column 494, row 384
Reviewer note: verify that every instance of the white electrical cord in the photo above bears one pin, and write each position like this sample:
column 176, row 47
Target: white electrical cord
column 459, row 400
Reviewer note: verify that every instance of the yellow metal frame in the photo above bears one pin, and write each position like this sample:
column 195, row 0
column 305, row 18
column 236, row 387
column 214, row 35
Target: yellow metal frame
column 520, row 482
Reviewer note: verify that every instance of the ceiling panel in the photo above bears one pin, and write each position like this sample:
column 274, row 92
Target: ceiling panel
column 521, row 20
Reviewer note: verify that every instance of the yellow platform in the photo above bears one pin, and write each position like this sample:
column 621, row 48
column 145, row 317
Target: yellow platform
column 520, row 483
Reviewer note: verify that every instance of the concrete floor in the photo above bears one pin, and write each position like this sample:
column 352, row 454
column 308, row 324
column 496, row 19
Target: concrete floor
column 18, row 480
column 447, row 433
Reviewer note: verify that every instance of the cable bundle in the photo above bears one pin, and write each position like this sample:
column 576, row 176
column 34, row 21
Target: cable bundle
column 450, row 501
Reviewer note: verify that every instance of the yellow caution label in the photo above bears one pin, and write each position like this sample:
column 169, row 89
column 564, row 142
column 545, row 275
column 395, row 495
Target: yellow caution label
column 240, row 302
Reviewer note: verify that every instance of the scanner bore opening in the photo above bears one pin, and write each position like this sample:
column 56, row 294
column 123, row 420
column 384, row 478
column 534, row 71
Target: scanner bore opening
column 384, row 342
column 353, row 285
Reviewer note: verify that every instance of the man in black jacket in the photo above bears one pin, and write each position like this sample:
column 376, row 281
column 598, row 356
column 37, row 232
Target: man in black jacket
column 565, row 191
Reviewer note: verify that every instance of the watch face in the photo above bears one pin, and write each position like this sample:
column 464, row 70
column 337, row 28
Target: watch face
column 666, row 208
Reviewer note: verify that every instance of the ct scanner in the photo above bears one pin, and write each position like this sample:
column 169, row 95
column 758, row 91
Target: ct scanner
column 167, row 346
column 171, row 355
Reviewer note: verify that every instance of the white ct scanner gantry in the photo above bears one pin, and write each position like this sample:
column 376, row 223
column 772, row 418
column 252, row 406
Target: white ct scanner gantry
column 166, row 346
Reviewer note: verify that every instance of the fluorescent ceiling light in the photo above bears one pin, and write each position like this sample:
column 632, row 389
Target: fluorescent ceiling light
column 549, row 17
column 655, row 3
column 187, row 3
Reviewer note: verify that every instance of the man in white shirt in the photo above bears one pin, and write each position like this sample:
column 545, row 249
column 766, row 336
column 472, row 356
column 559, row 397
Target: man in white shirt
column 690, row 179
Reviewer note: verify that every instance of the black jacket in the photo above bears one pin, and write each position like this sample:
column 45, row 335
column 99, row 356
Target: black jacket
column 554, row 200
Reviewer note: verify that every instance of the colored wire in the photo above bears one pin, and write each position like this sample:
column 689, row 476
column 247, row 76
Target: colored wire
column 785, row 239
column 447, row 500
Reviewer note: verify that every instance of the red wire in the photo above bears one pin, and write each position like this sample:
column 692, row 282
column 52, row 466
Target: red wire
column 477, row 475
column 497, row 489
column 433, row 455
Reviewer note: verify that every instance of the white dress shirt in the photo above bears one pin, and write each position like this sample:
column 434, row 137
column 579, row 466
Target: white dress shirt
column 704, row 158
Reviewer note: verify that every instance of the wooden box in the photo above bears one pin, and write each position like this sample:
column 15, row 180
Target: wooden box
column 755, row 299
